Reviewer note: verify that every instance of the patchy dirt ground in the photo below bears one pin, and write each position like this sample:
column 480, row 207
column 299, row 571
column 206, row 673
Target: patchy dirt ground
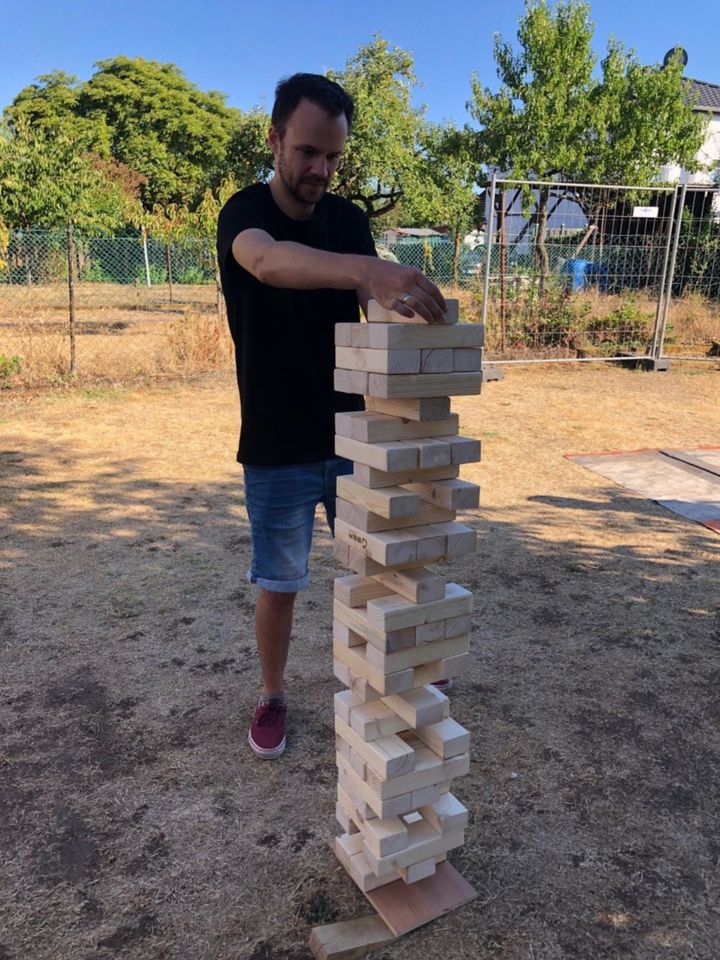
column 134, row 823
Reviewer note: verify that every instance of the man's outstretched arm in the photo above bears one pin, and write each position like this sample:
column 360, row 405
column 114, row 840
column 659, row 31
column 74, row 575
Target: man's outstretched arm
column 282, row 263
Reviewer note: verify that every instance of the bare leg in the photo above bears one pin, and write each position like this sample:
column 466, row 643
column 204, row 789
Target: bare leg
column 273, row 625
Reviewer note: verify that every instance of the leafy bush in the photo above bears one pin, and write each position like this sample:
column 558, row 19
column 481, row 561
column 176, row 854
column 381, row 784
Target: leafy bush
column 8, row 367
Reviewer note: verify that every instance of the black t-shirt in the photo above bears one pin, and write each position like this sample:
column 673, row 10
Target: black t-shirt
column 285, row 339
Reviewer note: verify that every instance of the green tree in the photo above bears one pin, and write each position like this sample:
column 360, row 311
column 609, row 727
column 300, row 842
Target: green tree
column 150, row 118
column 552, row 119
column 382, row 159
column 46, row 180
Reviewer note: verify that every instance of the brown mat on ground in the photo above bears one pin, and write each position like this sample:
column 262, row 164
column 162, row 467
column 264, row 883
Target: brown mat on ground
column 684, row 481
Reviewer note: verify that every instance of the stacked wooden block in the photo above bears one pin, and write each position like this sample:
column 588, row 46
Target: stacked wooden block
column 398, row 626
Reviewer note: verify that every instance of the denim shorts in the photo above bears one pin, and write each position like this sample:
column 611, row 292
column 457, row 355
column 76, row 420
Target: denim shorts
column 281, row 504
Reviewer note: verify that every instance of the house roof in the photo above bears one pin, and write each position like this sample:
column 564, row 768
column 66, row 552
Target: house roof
column 415, row 232
column 707, row 94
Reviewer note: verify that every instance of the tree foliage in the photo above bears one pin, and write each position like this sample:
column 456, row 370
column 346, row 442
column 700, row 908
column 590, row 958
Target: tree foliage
column 553, row 119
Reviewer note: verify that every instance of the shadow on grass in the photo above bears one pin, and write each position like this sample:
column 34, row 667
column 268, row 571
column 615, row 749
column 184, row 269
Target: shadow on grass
column 128, row 802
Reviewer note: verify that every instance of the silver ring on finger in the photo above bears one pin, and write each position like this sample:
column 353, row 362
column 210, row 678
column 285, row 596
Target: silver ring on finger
column 405, row 298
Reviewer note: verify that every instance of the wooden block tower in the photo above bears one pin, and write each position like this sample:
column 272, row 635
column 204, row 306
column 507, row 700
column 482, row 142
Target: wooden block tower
column 398, row 626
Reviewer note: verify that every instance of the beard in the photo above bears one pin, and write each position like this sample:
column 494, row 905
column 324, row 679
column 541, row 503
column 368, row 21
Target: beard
column 307, row 190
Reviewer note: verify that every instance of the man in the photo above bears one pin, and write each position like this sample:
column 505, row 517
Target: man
column 295, row 260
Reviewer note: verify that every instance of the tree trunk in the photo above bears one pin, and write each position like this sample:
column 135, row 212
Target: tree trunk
column 541, row 254
column 456, row 256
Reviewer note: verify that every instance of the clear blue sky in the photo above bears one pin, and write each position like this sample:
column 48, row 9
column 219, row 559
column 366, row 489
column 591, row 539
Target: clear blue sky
column 243, row 48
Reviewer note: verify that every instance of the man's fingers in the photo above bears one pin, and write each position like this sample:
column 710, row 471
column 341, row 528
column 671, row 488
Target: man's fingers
column 429, row 288
column 418, row 305
column 399, row 306
column 434, row 313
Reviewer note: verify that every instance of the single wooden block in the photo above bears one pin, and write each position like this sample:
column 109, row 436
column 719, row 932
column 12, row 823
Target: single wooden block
column 370, row 522
column 373, row 720
column 350, row 939
column 351, row 381
column 392, row 502
column 359, row 685
column 446, row 738
column 378, row 314
column 452, row 494
column 379, row 361
column 343, row 748
column 419, row 584
column 355, row 591
column 429, row 769
column 380, row 806
column 464, row 449
column 374, row 427
column 344, row 701
column 393, row 336
column 446, row 814
column 418, row 871
column 416, row 656
column 353, row 804
column 456, row 626
column 341, row 553
column 348, row 637
column 419, row 707
column 388, row 756
column 429, row 794
column 423, row 843
column 373, row 478
column 343, row 334
column 394, row 613
column 422, row 409
column 433, row 453
column 355, row 620
column 391, row 455
column 411, row 385
column 387, row 547
column 385, row 836
column 460, row 540
column 344, row 820
column 404, row 908
column 362, row 564
column 355, row 862
column 430, row 632
column 384, row 683
column 439, row 360
column 442, row 669
column 466, row 360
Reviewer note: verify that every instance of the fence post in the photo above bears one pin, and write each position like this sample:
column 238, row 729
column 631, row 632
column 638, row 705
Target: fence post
column 145, row 255
column 71, row 294
column 661, row 293
column 488, row 250
column 671, row 271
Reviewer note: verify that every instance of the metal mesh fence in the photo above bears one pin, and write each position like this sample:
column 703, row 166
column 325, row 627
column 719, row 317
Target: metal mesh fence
column 109, row 308
column 556, row 272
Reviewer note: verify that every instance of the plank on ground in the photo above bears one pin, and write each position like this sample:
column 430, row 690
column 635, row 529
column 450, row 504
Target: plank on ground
column 349, row 939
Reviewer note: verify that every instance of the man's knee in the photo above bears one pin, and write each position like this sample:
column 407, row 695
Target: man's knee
column 276, row 600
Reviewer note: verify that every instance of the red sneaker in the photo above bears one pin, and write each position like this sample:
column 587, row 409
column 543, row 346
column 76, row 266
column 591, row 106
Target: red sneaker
column 266, row 735
column 443, row 685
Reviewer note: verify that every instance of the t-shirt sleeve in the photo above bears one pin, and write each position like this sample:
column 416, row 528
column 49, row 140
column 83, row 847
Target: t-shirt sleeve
column 238, row 214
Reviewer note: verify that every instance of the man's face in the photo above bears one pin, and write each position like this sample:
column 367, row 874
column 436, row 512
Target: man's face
column 308, row 154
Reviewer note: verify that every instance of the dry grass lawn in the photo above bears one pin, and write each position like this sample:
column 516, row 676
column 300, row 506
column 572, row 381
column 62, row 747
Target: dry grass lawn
column 136, row 824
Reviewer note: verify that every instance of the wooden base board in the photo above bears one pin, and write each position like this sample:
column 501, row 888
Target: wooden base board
column 401, row 907
column 404, row 907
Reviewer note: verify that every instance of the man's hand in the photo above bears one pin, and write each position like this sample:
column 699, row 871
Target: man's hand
column 403, row 289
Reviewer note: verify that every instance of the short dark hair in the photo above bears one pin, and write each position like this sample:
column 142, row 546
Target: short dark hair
column 315, row 88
